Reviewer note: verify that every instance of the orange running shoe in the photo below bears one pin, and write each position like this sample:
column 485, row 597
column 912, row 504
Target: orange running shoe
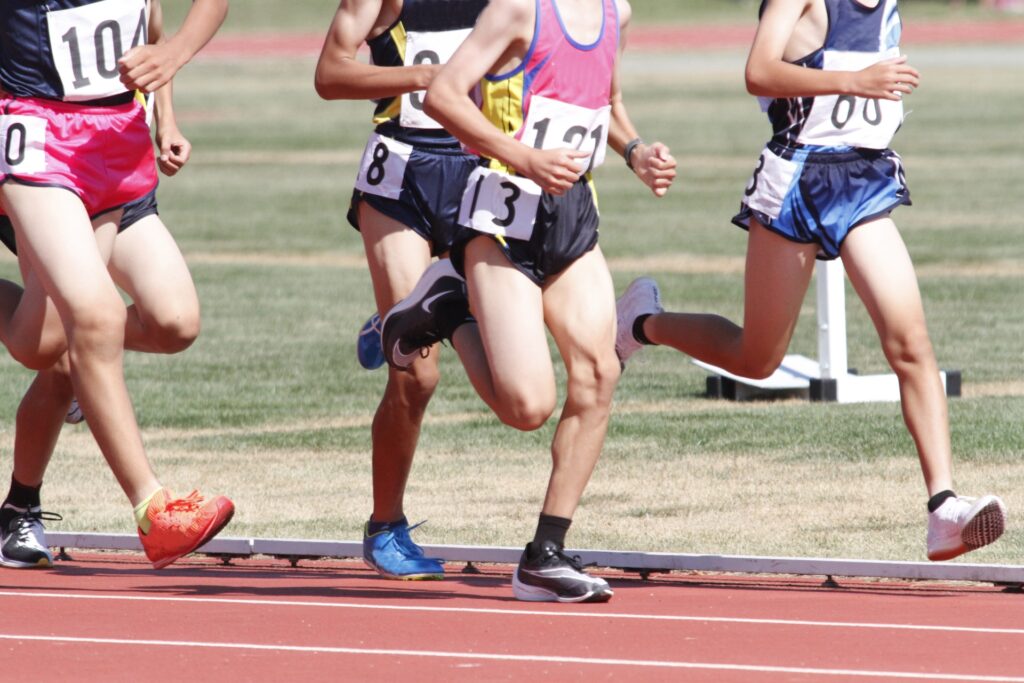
column 177, row 526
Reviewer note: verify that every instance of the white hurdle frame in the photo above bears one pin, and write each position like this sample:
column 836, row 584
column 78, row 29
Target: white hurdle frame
column 644, row 564
column 829, row 378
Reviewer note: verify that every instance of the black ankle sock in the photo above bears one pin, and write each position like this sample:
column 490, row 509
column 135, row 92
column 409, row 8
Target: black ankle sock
column 19, row 496
column 373, row 527
column 638, row 329
column 936, row 501
column 550, row 529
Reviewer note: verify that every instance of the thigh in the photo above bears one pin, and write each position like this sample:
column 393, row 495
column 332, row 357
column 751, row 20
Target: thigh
column 579, row 308
column 396, row 255
column 882, row 274
column 510, row 311
column 147, row 264
column 776, row 277
column 56, row 236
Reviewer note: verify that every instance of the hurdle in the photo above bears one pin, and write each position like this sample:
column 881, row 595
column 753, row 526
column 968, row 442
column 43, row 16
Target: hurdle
column 829, row 378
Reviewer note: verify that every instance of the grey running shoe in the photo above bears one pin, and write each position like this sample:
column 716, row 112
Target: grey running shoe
column 553, row 576
column 640, row 298
column 964, row 524
column 23, row 542
column 413, row 323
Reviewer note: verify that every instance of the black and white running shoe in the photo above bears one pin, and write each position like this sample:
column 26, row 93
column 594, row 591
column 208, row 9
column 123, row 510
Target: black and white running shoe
column 414, row 323
column 553, row 576
column 23, row 541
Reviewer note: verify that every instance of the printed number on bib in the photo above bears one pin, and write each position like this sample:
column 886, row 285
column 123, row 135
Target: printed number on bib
column 382, row 169
column 551, row 124
column 88, row 41
column 22, row 144
column 770, row 183
column 847, row 120
column 426, row 47
column 500, row 204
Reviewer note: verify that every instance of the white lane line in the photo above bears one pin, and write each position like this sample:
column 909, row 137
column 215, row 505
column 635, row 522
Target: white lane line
column 521, row 612
column 517, row 658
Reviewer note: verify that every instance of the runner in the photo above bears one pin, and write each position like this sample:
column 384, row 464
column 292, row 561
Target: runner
column 831, row 78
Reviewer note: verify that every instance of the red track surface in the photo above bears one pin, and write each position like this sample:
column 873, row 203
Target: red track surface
column 112, row 618
column 671, row 37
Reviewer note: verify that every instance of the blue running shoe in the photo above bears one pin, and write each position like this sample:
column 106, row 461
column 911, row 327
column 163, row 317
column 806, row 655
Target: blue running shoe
column 368, row 348
column 393, row 554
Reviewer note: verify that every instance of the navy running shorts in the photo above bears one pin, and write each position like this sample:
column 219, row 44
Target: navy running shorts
column 431, row 190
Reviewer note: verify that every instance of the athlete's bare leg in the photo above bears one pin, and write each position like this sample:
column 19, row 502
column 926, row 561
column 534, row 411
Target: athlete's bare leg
column 506, row 356
column 397, row 257
column 882, row 274
column 72, row 269
column 778, row 272
column 579, row 306
column 147, row 264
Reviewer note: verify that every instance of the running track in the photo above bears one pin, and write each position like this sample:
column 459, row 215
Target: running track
column 108, row 617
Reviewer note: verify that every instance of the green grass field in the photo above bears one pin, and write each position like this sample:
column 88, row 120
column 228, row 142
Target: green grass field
column 271, row 407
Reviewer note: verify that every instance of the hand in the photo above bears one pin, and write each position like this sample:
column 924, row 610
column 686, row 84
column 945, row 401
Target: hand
column 655, row 166
column 175, row 150
column 555, row 170
column 149, row 67
column 889, row 79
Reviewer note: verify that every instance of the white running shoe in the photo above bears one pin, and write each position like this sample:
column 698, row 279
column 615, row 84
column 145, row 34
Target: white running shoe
column 640, row 298
column 75, row 414
column 964, row 524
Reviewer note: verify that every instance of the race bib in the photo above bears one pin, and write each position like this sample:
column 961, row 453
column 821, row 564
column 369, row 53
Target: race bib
column 837, row 120
column 23, row 144
column 86, row 43
column 500, row 204
column 382, row 169
column 551, row 124
column 430, row 47
column 770, row 184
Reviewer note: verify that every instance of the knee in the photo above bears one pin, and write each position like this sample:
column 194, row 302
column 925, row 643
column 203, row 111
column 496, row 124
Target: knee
column 756, row 366
column 417, row 384
column 527, row 412
column 173, row 331
column 98, row 326
column 592, row 385
column 909, row 349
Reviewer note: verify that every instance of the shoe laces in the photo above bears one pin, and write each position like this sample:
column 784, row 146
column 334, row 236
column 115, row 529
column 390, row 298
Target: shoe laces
column 574, row 561
column 189, row 503
column 28, row 522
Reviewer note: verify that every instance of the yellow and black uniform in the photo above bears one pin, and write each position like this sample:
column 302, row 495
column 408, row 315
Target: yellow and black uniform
column 414, row 171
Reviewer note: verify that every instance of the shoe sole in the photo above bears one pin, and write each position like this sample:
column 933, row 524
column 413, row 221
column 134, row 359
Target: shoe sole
column 527, row 593
column 42, row 563
column 428, row 576
column 211, row 531
column 987, row 525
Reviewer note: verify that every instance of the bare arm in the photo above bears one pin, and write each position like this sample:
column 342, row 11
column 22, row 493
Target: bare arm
column 339, row 76
column 502, row 33
column 175, row 149
column 149, row 67
column 769, row 75
column 653, row 164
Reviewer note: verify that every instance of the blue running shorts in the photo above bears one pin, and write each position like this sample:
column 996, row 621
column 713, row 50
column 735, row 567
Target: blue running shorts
column 818, row 195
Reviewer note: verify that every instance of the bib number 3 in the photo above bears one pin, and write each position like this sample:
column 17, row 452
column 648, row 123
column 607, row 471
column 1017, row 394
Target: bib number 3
column 382, row 169
column 500, row 204
column 22, row 144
